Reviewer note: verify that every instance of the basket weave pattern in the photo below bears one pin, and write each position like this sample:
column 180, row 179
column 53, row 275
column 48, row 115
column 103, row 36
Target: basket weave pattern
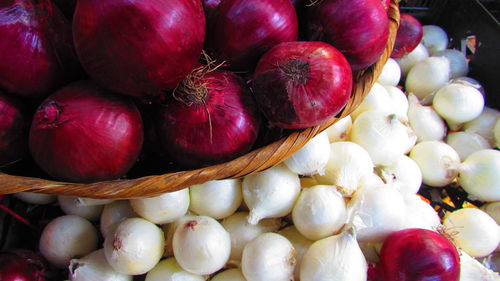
column 252, row 162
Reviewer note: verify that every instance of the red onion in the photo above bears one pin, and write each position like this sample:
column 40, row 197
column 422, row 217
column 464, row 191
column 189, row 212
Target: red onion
column 22, row 265
column 139, row 48
column 82, row 133
column 213, row 119
column 357, row 28
column 36, row 51
column 244, row 30
column 13, row 130
column 410, row 33
column 302, row 84
column 419, row 254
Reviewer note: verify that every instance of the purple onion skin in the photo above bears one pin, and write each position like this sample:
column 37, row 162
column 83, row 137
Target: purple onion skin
column 244, row 30
column 302, row 84
column 218, row 128
column 410, row 33
column 13, row 130
column 139, row 48
column 22, row 265
column 83, row 133
column 36, row 48
column 357, row 28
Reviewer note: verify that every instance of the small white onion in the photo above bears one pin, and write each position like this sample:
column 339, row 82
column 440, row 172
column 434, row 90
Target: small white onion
column 134, row 247
column 492, row 209
column 69, row 205
column 473, row 231
column 377, row 99
column 169, row 230
column 311, row 159
column 434, row 38
column 94, row 266
column 36, row 198
column 420, row 214
column 300, row 243
column 242, row 232
column 428, row 76
column 336, row 258
column 233, row 274
column 407, row 61
column 399, row 101
column 438, row 162
column 391, row 73
column 217, row 199
column 473, row 270
column 164, row 208
column 376, row 212
column 479, row 175
column 468, row 81
column 466, row 143
column 403, row 174
column 169, row 270
column 459, row 66
column 340, row 130
column 320, row 211
column 67, row 237
column 458, row 103
column 201, row 245
column 271, row 193
column 383, row 135
column 425, row 121
column 348, row 164
column 83, row 201
column 113, row 213
column 369, row 180
column 269, row 257
column 496, row 134
column 484, row 124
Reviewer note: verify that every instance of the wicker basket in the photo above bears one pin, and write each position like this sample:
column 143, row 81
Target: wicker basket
column 252, row 162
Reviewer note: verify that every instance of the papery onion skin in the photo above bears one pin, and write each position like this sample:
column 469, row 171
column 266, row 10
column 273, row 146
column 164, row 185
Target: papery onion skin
column 244, row 30
column 13, row 130
column 216, row 128
column 36, row 50
column 302, row 84
column 409, row 35
column 358, row 28
column 417, row 255
column 83, row 133
column 139, row 48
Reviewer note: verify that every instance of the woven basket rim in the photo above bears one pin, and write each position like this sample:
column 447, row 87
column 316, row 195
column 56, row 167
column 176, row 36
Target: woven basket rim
column 254, row 161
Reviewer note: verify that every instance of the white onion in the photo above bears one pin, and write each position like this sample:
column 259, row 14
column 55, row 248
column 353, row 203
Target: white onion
column 473, row 270
column 479, row 175
column 459, row 66
column 466, row 143
column 336, row 258
column 164, row 208
column 369, row 180
column 84, row 201
column 242, row 232
column 69, row 206
column 438, row 162
column 403, row 174
column 339, row 131
column 384, row 136
column 311, row 159
column 434, row 38
column 271, row 193
column 233, row 274
column 113, row 213
column 425, row 121
column 492, row 209
column 420, row 214
column 473, row 231
column 134, row 247
column 217, row 198
column 201, row 245
column 169, row 270
column 428, row 76
column 35, row 198
column 399, row 101
column 458, row 103
column 320, row 211
column 391, row 73
column 468, row 81
column 407, row 61
column 269, row 257
column 377, row 99
column 169, row 230
column 67, row 237
column 94, row 267
column 300, row 243
column 484, row 124
column 376, row 212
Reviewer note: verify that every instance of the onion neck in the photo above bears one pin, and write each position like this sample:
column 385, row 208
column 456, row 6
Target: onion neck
column 296, row 71
column 49, row 115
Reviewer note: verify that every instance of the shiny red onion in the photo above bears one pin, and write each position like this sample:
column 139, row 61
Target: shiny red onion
column 357, row 28
column 83, row 133
column 22, row 265
column 212, row 119
column 13, row 130
column 139, row 48
column 418, row 255
column 410, row 33
column 244, row 30
column 302, row 84
column 36, row 48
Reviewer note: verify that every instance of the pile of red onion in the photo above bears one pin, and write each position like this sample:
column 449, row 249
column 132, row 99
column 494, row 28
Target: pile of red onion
column 22, row 265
